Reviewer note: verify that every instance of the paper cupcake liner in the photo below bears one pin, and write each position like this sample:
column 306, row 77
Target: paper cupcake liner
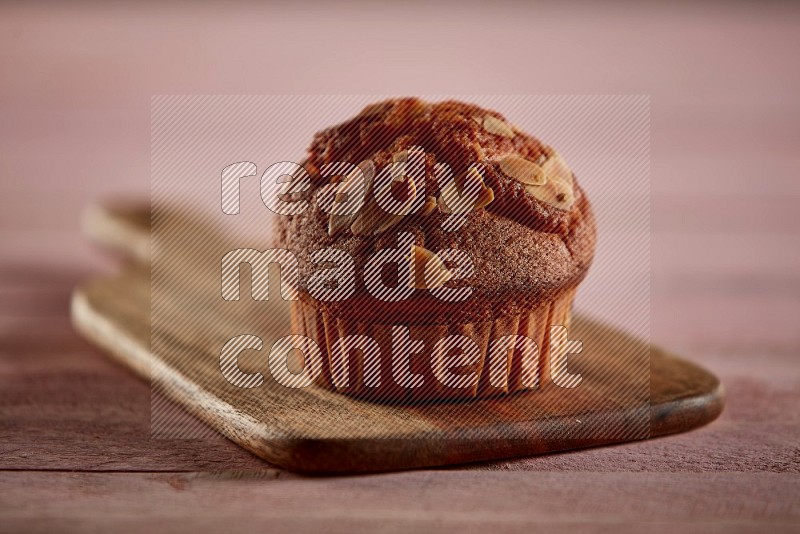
column 370, row 375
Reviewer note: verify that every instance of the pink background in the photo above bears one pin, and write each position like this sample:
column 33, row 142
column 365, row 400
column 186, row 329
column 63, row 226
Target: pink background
column 77, row 81
column 75, row 88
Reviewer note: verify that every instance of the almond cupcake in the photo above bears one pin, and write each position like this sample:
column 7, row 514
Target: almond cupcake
column 467, row 239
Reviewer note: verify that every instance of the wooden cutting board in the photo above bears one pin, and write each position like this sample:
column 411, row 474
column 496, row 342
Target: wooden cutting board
column 314, row 430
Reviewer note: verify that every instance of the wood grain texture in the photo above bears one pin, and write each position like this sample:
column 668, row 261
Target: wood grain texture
column 440, row 501
column 319, row 431
column 725, row 283
column 66, row 406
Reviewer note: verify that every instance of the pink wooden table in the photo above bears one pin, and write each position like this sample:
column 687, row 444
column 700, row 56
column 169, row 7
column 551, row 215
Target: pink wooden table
column 75, row 86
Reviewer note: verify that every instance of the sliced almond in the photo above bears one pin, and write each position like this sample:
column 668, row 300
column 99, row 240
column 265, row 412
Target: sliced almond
column 557, row 169
column 401, row 156
column 442, row 205
column 424, row 261
column 524, row 171
column 473, row 176
column 495, row 126
column 327, row 196
column 390, row 220
column 429, row 206
column 337, row 223
column 485, row 194
column 480, row 153
column 373, row 220
column 410, row 161
column 367, row 220
column 485, row 198
column 554, row 192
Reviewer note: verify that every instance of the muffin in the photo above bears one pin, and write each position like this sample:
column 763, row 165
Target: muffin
column 488, row 233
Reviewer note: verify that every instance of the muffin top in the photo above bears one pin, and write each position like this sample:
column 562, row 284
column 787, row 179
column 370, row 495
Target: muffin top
column 446, row 175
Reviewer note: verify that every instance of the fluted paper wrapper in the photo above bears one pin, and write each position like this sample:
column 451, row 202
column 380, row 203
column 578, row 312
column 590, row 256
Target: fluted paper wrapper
column 519, row 372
